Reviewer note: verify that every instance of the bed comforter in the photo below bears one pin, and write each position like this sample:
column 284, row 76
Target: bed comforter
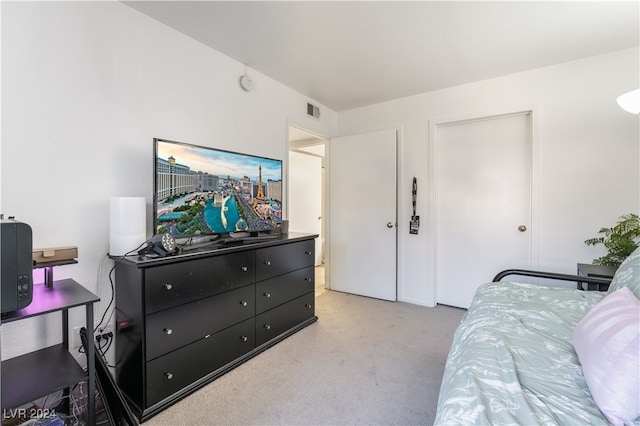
column 512, row 360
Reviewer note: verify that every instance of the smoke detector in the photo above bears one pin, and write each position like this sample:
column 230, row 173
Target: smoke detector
column 246, row 83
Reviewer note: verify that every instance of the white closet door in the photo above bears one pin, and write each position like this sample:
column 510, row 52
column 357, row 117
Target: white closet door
column 483, row 203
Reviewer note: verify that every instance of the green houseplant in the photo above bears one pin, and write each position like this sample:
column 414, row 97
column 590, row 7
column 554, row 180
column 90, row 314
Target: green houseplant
column 620, row 240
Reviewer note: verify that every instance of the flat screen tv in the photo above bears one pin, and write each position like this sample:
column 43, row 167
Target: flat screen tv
column 201, row 191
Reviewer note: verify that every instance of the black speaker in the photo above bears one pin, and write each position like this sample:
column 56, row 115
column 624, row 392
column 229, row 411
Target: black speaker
column 16, row 252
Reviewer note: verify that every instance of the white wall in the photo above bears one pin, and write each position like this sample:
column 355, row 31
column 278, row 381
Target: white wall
column 86, row 86
column 589, row 159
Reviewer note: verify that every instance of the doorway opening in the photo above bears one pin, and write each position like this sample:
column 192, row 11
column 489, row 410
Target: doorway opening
column 306, row 198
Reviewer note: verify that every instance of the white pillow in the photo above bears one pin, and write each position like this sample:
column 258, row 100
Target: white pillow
column 607, row 341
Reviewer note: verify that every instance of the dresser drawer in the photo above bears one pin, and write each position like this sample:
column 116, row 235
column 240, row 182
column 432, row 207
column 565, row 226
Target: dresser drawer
column 175, row 370
column 272, row 323
column 172, row 328
column 278, row 260
column 177, row 283
column 276, row 291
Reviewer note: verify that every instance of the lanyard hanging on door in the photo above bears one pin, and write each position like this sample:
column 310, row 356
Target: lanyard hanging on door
column 415, row 220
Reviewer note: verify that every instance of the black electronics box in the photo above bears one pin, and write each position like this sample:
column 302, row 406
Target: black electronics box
column 16, row 269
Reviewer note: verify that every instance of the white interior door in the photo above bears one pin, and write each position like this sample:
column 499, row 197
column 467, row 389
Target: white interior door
column 483, row 203
column 305, row 200
column 362, row 214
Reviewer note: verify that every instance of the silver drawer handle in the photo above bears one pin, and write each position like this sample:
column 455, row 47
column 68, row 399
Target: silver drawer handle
column 245, row 269
column 268, row 263
column 244, row 338
column 168, row 286
column 308, row 253
column 308, row 279
column 243, row 303
column 168, row 331
column 267, row 295
column 308, row 306
column 169, row 376
column 267, row 326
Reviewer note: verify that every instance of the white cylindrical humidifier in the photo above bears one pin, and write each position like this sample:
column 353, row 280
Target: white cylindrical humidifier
column 127, row 224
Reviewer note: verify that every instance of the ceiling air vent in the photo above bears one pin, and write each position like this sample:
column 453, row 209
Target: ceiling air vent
column 313, row 111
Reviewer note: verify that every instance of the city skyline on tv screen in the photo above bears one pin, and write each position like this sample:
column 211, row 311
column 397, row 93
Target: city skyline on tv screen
column 219, row 162
column 200, row 190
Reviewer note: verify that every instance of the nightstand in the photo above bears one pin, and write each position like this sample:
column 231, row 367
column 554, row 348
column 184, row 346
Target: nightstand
column 597, row 271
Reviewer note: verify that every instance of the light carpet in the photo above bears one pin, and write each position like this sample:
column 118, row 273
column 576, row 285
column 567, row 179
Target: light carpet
column 364, row 362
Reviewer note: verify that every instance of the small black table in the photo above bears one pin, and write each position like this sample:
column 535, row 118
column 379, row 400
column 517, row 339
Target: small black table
column 597, row 271
column 28, row 377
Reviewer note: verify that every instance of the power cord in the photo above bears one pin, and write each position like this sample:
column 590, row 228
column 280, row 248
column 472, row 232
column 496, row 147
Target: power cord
column 104, row 342
column 120, row 259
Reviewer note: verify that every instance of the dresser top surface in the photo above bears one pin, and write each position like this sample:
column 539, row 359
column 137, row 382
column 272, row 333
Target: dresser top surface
column 213, row 249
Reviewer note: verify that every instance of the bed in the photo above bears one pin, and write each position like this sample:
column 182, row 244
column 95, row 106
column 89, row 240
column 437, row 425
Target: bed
column 526, row 354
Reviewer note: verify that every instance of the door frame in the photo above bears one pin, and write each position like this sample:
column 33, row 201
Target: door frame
column 432, row 146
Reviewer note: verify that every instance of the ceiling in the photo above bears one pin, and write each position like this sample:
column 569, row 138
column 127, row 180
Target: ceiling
column 346, row 54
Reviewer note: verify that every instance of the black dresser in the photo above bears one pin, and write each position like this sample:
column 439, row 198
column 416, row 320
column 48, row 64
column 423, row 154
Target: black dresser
column 184, row 320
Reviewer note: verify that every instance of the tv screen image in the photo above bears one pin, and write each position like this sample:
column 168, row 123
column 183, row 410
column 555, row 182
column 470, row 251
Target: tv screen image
column 205, row 191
